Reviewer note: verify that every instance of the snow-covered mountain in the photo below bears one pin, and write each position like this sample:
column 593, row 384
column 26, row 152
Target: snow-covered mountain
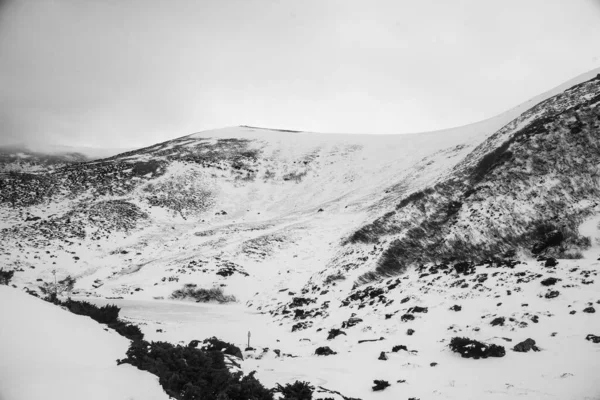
column 371, row 234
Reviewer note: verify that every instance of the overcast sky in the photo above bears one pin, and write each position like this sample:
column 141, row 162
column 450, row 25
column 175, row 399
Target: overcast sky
column 126, row 73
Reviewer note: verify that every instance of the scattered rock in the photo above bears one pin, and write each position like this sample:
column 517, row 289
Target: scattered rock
column 333, row 333
column 525, row 346
column 382, row 356
column 498, row 321
column 407, row 317
column 380, row 385
column 589, row 310
column 455, row 308
column 397, row 348
column 410, row 332
column 593, row 338
column 324, row 351
column 552, row 294
column 351, row 322
column 549, row 281
column 433, row 364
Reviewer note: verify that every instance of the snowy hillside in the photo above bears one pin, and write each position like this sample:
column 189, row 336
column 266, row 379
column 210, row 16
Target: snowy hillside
column 368, row 234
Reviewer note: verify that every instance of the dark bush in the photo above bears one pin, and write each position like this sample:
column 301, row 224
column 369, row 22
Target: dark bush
column 189, row 291
column 130, row 331
column 469, row 348
column 214, row 344
column 187, row 373
column 108, row 315
column 295, row 391
column 5, row 276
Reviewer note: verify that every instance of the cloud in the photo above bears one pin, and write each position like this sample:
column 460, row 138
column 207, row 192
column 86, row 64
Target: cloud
column 114, row 73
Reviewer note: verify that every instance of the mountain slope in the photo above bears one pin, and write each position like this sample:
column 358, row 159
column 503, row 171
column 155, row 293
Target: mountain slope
column 370, row 234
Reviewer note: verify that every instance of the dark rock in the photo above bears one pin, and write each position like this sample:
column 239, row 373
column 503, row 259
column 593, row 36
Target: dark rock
column 351, row 322
column 333, row 333
column 324, row 351
column 371, row 340
column 498, row 321
column 551, row 262
column 417, row 309
column 433, row 364
column 410, row 332
column 525, row 346
column 549, row 281
column 407, row 317
column 455, row 308
column 552, row 294
column 589, row 310
column 397, row 348
column 593, row 338
column 382, row 356
column 380, row 385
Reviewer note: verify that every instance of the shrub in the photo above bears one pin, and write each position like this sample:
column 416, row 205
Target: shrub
column 469, row 348
column 214, row 344
column 130, row 331
column 295, row 391
column 5, row 276
column 334, row 277
column 188, row 373
column 189, row 291
column 54, row 289
column 108, row 315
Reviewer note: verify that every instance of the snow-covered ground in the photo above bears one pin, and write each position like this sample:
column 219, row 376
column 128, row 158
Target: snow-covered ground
column 565, row 368
column 49, row 353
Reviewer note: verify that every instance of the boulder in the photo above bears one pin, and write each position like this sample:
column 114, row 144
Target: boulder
column 324, row 351
column 593, row 338
column 333, row 333
column 525, row 346
column 380, row 385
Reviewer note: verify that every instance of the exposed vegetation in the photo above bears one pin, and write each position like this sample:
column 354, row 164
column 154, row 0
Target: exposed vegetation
column 526, row 192
column 5, row 276
column 108, row 315
column 190, row 291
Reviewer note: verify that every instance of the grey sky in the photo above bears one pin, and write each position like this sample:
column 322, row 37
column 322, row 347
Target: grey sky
column 125, row 73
